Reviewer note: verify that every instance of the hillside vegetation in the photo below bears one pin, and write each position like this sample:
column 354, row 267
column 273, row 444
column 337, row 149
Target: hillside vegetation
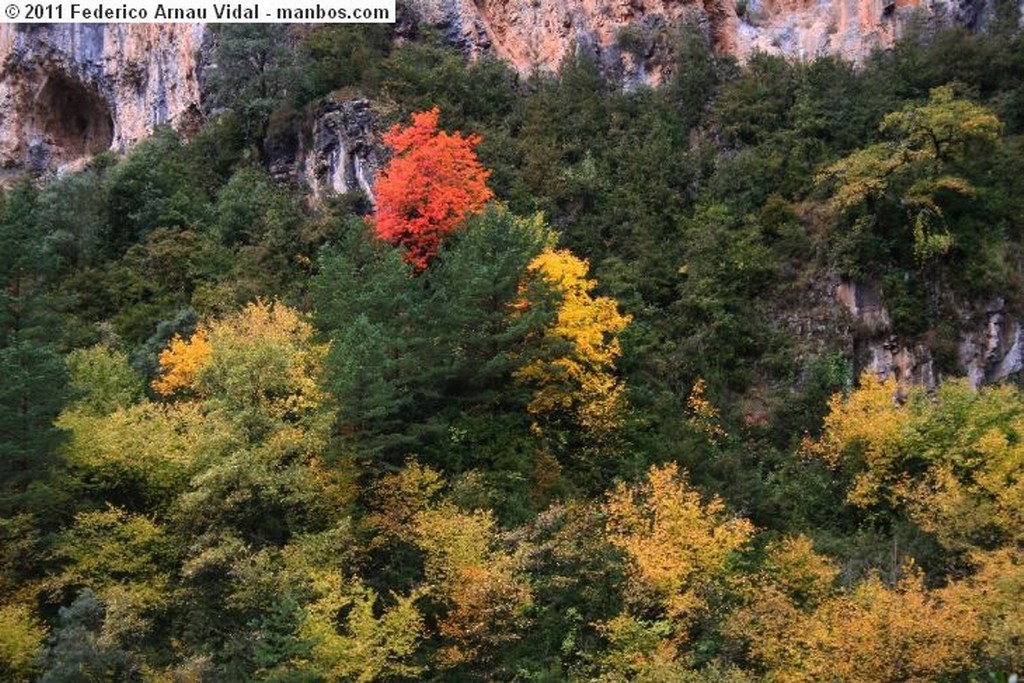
column 537, row 415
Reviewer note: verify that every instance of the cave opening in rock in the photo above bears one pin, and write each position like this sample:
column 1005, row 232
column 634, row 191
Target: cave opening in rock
column 73, row 118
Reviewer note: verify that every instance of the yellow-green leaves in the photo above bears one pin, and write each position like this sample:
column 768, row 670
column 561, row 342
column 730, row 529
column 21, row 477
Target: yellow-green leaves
column 945, row 127
column 370, row 643
column 21, row 639
column 678, row 546
column 477, row 584
column 917, row 170
column 952, row 460
column 262, row 358
column 123, row 558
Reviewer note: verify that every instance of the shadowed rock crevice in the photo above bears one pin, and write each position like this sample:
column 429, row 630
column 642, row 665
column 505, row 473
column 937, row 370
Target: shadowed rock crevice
column 69, row 91
column 71, row 119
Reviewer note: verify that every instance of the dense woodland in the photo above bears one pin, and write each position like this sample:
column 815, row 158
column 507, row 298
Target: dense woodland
column 534, row 416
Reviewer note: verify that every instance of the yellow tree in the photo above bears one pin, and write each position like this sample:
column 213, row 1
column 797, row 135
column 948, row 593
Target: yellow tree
column 477, row 585
column 995, row 591
column 877, row 634
column 869, row 427
column 574, row 375
column 369, row 642
column 952, row 462
column 794, row 581
column 798, row 626
column 262, row 358
column 678, row 546
column 480, row 584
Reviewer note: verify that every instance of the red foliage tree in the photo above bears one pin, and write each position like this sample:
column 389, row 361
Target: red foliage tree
column 431, row 183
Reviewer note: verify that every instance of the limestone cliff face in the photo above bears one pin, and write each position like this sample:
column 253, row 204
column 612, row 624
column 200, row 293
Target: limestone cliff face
column 344, row 150
column 826, row 315
column 69, row 91
column 628, row 36
column 337, row 152
column 992, row 352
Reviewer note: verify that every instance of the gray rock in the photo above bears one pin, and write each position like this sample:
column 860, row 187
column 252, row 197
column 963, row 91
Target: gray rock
column 344, row 153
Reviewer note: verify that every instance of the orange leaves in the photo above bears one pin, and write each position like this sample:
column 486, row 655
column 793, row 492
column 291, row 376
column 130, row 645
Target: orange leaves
column 433, row 180
column 180, row 361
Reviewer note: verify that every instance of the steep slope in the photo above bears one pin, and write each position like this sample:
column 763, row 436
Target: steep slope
column 628, row 36
column 67, row 91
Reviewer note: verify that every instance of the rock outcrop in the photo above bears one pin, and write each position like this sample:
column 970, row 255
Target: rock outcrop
column 992, row 352
column 343, row 152
column 629, row 37
column 337, row 152
column 71, row 90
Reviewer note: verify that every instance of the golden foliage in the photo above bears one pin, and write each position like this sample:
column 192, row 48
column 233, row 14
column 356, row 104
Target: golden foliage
column 582, row 381
column 877, row 634
column 867, row 426
column 678, row 547
column 398, row 497
column 704, row 415
column 870, row 634
column 180, row 362
column 995, row 591
column 262, row 357
column 802, row 574
column 480, row 583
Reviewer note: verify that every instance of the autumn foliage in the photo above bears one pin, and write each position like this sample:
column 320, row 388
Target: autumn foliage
column 678, row 546
column 575, row 373
column 432, row 181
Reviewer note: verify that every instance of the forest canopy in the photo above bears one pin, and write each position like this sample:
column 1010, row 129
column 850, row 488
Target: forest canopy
column 561, row 402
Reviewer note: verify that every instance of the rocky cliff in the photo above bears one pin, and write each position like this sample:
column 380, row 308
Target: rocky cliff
column 338, row 154
column 629, row 36
column 69, row 91
column 990, row 352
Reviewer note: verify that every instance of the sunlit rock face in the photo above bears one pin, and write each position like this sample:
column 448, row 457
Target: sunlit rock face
column 630, row 38
column 69, row 91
